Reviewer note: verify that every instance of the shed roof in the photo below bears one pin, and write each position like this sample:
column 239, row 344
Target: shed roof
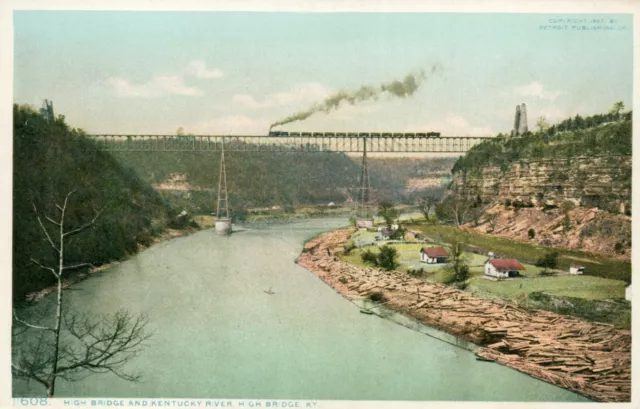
column 507, row 264
column 434, row 252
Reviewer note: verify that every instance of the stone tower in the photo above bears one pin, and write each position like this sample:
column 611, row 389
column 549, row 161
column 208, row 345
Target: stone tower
column 47, row 110
column 516, row 122
column 524, row 128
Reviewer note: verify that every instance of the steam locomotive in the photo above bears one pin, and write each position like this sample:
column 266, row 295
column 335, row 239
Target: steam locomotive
column 359, row 134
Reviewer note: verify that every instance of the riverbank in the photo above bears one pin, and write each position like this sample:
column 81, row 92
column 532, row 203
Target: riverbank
column 589, row 358
column 168, row 234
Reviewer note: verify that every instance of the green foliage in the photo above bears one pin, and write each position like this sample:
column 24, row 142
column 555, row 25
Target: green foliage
column 377, row 296
column 542, row 125
column 567, row 206
column 50, row 160
column 492, row 219
column 548, row 261
column 387, row 212
column 348, row 248
column 369, row 257
column 619, row 248
column 593, row 135
column 532, row 234
column 458, row 269
column 265, row 179
column 418, row 272
column 387, row 258
column 399, row 233
column 566, row 223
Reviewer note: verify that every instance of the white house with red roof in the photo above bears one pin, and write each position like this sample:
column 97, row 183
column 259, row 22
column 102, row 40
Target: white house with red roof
column 433, row 255
column 575, row 269
column 503, row 268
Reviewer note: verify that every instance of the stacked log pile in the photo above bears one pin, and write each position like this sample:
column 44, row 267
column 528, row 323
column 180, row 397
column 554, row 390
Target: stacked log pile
column 590, row 358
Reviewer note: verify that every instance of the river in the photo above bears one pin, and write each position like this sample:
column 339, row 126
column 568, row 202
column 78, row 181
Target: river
column 217, row 334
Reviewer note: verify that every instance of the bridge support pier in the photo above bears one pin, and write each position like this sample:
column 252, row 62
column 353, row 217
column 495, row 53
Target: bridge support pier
column 223, row 226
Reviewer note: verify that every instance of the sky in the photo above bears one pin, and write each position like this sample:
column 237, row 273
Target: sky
column 152, row 72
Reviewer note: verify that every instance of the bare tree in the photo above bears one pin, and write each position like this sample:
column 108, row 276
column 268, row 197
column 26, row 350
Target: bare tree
column 455, row 208
column 616, row 109
column 426, row 204
column 492, row 219
column 74, row 346
column 542, row 125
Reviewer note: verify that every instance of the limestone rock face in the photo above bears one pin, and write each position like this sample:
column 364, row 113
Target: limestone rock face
column 588, row 181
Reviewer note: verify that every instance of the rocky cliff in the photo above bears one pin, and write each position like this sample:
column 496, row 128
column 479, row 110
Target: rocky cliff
column 589, row 181
column 584, row 229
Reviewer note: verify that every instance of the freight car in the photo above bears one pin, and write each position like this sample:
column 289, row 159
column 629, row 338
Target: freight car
column 359, row 134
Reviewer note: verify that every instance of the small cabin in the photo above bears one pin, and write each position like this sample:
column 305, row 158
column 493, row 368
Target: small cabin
column 503, row 268
column 627, row 293
column 434, row 255
column 577, row 270
column 387, row 233
column 395, row 226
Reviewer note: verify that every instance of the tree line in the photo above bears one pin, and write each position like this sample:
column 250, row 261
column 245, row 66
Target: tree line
column 51, row 159
column 570, row 138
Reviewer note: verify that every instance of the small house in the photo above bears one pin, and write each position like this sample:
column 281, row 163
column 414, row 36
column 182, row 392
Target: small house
column 503, row 268
column 433, row 255
column 331, row 204
column 387, row 233
column 574, row 269
column 627, row 293
column 395, row 226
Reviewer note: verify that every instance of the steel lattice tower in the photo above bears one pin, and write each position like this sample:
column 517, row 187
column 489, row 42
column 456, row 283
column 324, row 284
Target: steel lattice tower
column 365, row 187
column 223, row 219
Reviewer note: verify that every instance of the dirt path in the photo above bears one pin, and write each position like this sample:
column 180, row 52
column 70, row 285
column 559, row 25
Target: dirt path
column 589, row 358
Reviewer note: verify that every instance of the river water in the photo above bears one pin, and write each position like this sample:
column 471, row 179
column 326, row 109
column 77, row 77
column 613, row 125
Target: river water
column 217, row 334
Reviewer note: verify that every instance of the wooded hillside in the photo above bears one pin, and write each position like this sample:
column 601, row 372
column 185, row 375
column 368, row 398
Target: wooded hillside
column 52, row 159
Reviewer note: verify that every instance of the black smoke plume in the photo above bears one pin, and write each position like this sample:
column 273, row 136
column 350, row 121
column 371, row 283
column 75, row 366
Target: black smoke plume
column 401, row 89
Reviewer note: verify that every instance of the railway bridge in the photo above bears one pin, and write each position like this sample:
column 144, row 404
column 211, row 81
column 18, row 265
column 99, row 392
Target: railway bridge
column 301, row 142
column 298, row 142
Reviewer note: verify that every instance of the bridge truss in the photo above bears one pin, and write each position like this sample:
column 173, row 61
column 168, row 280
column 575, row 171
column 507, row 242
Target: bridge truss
column 256, row 143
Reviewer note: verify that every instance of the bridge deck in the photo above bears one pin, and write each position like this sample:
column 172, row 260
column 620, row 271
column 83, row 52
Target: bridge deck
column 258, row 143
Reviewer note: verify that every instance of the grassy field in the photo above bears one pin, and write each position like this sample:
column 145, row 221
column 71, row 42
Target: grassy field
column 529, row 252
column 586, row 287
column 585, row 296
column 205, row 221
column 409, row 258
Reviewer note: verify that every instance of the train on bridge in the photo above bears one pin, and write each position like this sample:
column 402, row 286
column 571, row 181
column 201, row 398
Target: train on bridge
column 358, row 134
